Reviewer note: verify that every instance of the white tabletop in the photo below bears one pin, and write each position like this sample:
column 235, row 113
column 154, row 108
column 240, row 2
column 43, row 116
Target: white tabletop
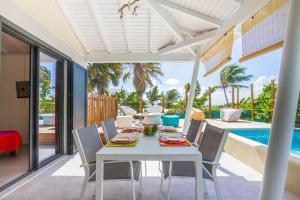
column 148, row 148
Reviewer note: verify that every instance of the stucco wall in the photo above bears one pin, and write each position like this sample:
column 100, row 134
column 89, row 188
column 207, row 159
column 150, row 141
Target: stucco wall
column 14, row 112
column 254, row 154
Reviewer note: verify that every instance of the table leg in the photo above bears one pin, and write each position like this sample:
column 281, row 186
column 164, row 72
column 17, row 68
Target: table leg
column 99, row 178
column 199, row 179
column 132, row 180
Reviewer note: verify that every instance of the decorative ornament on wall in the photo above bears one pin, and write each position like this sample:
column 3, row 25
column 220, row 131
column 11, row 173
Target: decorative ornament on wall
column 128, row 6
column 23, row 89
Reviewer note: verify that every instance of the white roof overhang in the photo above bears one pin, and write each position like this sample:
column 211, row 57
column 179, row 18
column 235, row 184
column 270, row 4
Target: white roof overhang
column 162, row 30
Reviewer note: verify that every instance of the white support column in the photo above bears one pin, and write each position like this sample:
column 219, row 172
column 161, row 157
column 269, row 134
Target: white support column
column 192, row 92
column 285, row 110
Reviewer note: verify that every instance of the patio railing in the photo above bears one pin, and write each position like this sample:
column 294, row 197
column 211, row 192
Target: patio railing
column 101, row 108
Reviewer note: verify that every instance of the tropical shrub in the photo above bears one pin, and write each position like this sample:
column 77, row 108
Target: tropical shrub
column 171, row 98
column 153, row 95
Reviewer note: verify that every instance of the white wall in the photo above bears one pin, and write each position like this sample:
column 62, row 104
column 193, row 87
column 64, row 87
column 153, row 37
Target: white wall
column 14, row 112
column 18, row 16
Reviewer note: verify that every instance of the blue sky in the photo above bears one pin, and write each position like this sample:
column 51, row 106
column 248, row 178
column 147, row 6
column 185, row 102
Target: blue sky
column 176, row 75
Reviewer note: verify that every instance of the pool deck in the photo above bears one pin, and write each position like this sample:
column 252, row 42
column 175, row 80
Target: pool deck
column 240, row 124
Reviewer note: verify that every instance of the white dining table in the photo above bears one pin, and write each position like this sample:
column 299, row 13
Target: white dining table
column 149, row 149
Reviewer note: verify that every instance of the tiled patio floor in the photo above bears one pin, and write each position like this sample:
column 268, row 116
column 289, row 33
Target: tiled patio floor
column 62, row 180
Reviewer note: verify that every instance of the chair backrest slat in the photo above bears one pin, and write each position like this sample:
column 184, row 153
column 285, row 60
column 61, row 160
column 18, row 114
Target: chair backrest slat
column 212, row 143
column 194, row 130
column 88, row 143
column 109, row 129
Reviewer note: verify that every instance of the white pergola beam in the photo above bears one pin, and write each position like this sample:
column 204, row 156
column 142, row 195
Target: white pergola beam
column 187, row 31
column 284, row 116
column 188, row 43
column 247, row 9
column 100, row 27
column 179, row 8
column 192, row 90
column 102, row 57
column 173, row 27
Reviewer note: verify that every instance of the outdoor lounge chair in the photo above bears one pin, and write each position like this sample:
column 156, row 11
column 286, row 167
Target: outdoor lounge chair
column 88, row 143
column 211, row 147
column 128, row 110
column 155, row 109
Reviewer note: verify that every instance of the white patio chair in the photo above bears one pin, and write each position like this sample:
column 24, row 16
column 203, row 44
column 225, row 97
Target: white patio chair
column 192, row 136
column 124, row 121
column 128, row 110
column 211, row 147
column 155, row 109
column 109, row 129
column 230, row 115
column 88, row 144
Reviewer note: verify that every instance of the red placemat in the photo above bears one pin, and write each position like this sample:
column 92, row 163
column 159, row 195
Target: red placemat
column 183, row 144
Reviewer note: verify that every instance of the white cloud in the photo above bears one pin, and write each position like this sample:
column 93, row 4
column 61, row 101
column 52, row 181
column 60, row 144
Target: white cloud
column 259, row 83
column 154, row 82
column 171, row 82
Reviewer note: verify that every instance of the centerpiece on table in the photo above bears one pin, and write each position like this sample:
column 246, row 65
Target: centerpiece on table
column 150, row 129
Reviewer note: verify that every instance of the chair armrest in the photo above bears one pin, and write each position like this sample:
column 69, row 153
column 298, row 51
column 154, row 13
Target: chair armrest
column 89, row 164
column 115, row 161
column 211, row 163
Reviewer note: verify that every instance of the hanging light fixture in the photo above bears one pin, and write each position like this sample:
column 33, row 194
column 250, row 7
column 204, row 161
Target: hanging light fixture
column 128, row 6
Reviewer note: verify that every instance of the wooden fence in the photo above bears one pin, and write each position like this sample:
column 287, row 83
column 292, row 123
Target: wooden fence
column 101, row 108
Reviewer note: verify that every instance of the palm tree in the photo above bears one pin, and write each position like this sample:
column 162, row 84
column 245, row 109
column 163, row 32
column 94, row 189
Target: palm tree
column 153, row 95
column 232, row 75
column 187, row 88
column 172, row 96
column 143, row 75
column 101, row 75
column 44, row 81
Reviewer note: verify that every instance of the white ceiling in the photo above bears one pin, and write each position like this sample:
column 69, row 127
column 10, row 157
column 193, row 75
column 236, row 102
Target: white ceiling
column 98, row 25
column 163, row 30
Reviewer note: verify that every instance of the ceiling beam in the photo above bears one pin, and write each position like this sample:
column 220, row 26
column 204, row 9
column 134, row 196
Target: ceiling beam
column 179, row 8
column 150, row 32
column 188, row 43
column 247, row 9
column 100, row 27
column 102, row 57
column 80, row 39
column 124, row 24
column 239, row 1
column 173, row 27
column 187, row 31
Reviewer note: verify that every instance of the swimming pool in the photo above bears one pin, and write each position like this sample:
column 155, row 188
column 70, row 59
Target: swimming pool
column 262, row 136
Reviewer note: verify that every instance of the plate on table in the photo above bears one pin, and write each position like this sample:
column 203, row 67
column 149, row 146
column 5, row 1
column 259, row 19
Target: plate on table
column 173, row 139
column 123, row 139
column 168, row 129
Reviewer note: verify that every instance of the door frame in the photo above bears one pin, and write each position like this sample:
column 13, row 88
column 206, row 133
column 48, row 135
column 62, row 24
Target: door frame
column 59, row 115
column 35, row 44
column 71, row 149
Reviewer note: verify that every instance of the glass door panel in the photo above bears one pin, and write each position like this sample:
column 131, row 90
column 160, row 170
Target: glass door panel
column 14, row 108
column 48, row 134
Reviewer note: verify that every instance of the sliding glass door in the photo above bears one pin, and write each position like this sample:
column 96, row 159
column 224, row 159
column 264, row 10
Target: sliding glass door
column 14, row 108
column 50, row 104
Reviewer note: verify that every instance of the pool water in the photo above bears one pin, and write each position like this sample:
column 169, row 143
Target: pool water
column 262, row 136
